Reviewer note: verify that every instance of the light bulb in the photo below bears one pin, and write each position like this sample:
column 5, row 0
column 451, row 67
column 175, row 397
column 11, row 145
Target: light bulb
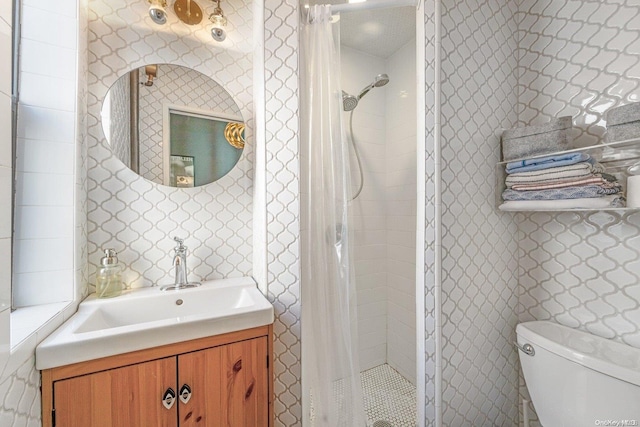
column 157, row 12
column 219, row 21
column 218, row 34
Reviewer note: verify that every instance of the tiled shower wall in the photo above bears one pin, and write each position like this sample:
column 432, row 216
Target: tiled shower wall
column 368, row 210
column 579, row 58
column 479, row 246
column 400, row 209
column 6, row 176
column 384, row 218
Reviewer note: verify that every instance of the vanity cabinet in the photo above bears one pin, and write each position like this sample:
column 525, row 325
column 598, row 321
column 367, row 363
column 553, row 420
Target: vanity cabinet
column 225, row 380
column 117, row 397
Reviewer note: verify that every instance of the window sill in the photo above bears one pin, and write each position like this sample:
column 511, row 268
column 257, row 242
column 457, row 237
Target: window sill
column 31, row 325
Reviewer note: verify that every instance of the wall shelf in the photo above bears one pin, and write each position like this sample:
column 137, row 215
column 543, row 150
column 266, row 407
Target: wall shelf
column 616, row 156
column 604, row 153
column 620, row 210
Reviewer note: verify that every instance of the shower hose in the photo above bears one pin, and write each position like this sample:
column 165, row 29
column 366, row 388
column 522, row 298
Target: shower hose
column 355, row 150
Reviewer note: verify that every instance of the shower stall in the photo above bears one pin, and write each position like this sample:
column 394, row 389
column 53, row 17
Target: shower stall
column 380, row 120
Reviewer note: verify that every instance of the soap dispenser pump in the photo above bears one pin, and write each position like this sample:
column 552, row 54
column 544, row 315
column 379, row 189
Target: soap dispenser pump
column 109, row 277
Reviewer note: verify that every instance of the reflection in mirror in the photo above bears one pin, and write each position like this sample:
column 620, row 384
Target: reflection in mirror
column 173, row 125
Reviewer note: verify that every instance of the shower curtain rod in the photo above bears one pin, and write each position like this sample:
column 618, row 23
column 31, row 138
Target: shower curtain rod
column 372, row 4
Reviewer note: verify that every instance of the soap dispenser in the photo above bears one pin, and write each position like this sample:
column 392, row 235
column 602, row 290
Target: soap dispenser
column 109, row 277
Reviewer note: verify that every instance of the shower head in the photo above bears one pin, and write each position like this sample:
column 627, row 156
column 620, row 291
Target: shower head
column 349, row 102
column 379, row 81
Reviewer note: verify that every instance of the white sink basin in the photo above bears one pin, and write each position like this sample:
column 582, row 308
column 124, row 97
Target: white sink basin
column 148, row 317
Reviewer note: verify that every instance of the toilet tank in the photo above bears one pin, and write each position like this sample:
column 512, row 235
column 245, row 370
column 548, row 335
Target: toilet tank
column 576, row 379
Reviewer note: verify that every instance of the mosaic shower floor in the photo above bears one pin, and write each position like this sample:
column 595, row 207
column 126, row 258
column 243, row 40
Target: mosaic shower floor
column 389, row 399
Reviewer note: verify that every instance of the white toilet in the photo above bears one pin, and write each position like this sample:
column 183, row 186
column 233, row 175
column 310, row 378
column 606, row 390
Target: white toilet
column 576, row 379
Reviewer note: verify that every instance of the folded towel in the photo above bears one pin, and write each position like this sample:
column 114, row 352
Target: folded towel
column 579, row 170
column 547, row 162
column 554, row 205
column 579, row 192
column 596, row 179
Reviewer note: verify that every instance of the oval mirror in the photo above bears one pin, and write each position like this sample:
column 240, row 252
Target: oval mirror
column 173, row 125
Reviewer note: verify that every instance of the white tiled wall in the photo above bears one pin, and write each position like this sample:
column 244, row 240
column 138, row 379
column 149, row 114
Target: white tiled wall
column 21, row 404
column 479, row 245
column 581, row 270
column 428, row 39
column 46, row 156
column 369, row 209
column 82, row 120
column 282, row 189
column 137, row 217
column 384, row 214
column 6, row 176
column 400, row 194
column 50, row 229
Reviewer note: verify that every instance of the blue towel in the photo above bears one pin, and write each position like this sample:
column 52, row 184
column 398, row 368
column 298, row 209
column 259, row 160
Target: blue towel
column 548, row 162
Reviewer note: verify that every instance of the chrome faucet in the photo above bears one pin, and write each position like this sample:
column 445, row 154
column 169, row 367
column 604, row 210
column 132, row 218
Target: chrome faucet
column 180, row 263
column 180, row 266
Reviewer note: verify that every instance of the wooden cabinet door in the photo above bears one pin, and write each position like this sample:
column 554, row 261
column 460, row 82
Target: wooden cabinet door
column 229, row 386
column 130, row 396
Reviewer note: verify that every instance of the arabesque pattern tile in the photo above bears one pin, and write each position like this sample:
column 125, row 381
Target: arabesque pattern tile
column 581, row 270
column 119, row 114
column 431, row 220
column 134, row 216
column 479, row 246
column 579, row 58
column 283, row 203
column 20, row 404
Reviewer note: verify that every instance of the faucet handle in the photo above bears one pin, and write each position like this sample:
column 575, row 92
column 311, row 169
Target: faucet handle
column 180, row 247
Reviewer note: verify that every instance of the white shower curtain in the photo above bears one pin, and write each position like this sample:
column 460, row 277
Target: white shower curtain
column 329, row 314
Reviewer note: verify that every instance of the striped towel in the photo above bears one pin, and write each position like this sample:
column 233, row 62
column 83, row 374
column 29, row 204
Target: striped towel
column 596, row 179
column 581, row 192
column 579, row 170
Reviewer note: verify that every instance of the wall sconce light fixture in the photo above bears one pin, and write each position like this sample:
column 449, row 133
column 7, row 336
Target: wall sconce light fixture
column 219, row 21
column 188, row 11
column 152, row 72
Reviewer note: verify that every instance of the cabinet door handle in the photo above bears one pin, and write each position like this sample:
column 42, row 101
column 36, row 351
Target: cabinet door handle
column 169, row 398
column 185, row 393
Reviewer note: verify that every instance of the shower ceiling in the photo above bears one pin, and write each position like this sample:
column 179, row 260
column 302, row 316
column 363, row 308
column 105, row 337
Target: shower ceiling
column 379, row 32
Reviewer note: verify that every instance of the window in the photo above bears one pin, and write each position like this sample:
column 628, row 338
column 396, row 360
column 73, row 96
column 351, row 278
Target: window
column 44, row 209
